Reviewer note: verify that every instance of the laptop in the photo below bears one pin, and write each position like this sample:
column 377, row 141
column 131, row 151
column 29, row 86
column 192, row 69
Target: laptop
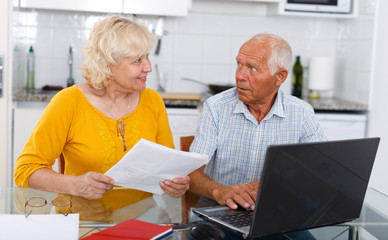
column 304, row 186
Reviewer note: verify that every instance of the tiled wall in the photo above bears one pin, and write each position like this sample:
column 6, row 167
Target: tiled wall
column 201, row 46
column 354, row 53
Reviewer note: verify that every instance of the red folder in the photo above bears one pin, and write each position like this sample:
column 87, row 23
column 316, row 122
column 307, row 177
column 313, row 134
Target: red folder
column 133, row 230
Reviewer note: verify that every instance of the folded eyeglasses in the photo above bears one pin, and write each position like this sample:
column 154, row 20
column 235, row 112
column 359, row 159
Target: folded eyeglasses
column 59, row 202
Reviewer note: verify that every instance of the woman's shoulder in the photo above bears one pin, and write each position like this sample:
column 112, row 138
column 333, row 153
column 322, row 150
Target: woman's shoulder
column 67, row 93
column 68, row 98
column 151, row 93
column 150, row 98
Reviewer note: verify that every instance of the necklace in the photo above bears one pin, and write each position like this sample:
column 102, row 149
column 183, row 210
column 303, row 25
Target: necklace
column 120, row 122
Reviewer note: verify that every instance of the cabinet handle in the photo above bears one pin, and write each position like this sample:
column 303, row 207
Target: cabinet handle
column 1, row 74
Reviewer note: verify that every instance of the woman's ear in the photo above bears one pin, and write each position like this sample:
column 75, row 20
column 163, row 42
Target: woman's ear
column 281, row 76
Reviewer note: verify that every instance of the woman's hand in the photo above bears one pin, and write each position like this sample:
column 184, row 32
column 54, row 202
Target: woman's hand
column 176, row 187
column 91, row 185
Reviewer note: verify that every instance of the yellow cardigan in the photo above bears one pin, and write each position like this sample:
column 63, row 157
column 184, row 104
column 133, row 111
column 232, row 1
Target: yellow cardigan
column 87, row 138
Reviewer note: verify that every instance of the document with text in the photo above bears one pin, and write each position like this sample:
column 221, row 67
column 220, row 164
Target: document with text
column 148, row 163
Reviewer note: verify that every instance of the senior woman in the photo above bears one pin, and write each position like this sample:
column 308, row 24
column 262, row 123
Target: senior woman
column 95, row 123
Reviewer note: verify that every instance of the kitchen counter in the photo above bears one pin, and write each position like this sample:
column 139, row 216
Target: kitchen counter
column 174, row 100
column 36, row 95
column 336, row 105
column 188, row 100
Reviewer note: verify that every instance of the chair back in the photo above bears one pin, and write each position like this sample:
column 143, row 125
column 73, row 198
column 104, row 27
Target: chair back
column 61, row 164
column 190, row 199
column 186, row 142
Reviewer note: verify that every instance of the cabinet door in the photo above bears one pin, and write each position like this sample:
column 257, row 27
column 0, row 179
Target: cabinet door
column 183, row 122
column 157, row 7
column 114, row 6
column 343, row 126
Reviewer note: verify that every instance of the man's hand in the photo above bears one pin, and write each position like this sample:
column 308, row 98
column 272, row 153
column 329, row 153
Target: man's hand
column 91, row 185
column 176, row 187
column 243, row 195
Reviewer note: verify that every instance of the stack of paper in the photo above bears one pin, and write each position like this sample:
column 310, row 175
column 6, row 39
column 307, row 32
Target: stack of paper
column 148, row 163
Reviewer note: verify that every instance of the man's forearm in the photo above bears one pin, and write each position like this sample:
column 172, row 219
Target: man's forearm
column 203, row 185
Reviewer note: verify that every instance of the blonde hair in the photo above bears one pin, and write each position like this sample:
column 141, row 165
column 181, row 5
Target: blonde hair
column 111, row 39
column 281, row 53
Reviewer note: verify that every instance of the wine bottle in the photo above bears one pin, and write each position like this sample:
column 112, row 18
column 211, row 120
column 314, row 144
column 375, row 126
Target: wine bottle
column 30, row 69
column 297, row 78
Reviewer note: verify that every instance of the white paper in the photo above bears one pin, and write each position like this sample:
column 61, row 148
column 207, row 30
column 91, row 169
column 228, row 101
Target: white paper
column 148, row 163
column 39, row 226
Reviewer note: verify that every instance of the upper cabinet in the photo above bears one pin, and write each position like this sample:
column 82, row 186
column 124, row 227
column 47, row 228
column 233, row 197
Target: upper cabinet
column 114, row 6
column 157, row 7
column 144, row 7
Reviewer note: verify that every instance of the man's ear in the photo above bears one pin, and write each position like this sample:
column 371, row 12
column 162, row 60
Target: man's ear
column 281, row 76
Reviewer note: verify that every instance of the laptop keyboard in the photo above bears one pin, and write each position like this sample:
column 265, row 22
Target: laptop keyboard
column 239, row 218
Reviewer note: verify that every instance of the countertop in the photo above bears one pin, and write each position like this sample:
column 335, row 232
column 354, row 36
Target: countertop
column 185, row 100
column 332, row 104
column 336, row 104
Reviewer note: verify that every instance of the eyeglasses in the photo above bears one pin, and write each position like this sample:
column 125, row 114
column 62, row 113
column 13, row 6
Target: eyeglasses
column 59, row 202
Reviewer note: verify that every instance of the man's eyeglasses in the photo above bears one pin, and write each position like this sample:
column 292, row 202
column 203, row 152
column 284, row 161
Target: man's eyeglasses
column 60, row 202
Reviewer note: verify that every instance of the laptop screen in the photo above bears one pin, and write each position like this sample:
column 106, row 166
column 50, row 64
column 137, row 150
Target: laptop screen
column 313, row 184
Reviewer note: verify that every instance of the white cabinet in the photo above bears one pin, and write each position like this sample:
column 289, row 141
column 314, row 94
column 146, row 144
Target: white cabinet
column 183, row 122
column 146, row 7
column 338, row 126
column 157, row 7
column 114, row 6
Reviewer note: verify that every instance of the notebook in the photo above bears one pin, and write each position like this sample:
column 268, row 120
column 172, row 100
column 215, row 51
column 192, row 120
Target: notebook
column 305, row 186
column 132, row 229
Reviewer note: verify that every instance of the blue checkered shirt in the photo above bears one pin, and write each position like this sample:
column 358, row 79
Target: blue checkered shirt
column 237, row 143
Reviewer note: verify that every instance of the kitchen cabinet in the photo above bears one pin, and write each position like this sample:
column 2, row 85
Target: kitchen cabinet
column 114, row 6
column 183, row 122
column 157, row 7
column 339, row 126
column 146, row 7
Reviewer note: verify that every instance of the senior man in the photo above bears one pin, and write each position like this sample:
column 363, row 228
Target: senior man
column 239, row 124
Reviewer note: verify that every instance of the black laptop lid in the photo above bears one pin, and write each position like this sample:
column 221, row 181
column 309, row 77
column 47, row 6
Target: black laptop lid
column 314, row 184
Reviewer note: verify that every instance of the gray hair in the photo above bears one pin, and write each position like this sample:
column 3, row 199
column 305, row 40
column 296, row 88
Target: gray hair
column 281, row 53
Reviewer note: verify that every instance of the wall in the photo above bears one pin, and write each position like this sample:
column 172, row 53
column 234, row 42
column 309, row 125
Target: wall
column 4, row 147
column 354, row 53
column 201, row 46
column 379, row 114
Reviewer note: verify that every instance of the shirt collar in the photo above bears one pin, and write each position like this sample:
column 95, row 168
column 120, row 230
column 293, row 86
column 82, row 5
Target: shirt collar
column 276, row 109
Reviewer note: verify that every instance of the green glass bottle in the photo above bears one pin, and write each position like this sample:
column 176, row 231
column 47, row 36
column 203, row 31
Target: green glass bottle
column 30, row 69
column 297, row 78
